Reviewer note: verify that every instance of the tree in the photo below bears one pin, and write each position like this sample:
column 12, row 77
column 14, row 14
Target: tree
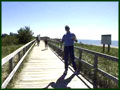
column 13, row 34
column 25, row 35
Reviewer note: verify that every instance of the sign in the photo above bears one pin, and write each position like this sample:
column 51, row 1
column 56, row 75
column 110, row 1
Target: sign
column 106, row 39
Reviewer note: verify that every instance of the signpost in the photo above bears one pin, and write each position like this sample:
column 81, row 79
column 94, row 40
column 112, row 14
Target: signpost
column 106, row 39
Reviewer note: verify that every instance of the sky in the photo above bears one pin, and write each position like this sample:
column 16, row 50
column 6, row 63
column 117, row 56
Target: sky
column 87, row 20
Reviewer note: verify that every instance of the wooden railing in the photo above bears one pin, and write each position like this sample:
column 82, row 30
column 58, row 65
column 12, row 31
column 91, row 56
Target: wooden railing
column 56, row 46
column 10, row 60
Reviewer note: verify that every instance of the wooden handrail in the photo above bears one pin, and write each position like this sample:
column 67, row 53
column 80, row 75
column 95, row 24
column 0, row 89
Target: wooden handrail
column 8, row 57
column 92, row 52
column 98, row 54
column 26, row 48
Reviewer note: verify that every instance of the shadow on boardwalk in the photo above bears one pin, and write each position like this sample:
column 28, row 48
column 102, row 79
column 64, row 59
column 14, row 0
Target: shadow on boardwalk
column 61, row 82
column 44, row 49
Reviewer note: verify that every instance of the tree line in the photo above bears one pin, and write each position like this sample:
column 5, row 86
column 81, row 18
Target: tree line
column 23, row 36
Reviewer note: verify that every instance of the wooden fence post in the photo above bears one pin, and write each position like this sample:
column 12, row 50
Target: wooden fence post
column 23, row 51
column 108, row 47
column 10, row 64
column 103, row 48
column 19, row 56
column 95, row 72
column 80, row 56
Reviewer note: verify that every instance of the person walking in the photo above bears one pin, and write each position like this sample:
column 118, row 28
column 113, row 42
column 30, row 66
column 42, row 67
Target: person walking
column 38, row 39
column 68, row 40
column 46, row 43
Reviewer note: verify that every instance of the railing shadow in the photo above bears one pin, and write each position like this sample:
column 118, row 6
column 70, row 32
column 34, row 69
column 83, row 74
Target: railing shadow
column 61, row 82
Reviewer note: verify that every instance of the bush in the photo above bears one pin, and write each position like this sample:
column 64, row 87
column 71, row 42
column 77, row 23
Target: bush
column 25, row 35
column 9, row 40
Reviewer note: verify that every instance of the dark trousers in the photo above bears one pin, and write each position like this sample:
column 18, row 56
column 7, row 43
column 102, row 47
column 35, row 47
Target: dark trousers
column 38, row 41
column 69, row 51
column 46, row 44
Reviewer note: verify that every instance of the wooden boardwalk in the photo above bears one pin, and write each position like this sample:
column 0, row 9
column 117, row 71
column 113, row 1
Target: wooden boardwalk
column 44, row 69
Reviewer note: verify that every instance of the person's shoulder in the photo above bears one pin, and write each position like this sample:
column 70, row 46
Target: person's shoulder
column 72, row 34
column 64, row 35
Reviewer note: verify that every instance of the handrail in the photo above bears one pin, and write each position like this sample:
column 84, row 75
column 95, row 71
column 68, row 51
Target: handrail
column 98, row 54
column 10, row 56
column 94, row 52
column 53, row 43
column 26, row 48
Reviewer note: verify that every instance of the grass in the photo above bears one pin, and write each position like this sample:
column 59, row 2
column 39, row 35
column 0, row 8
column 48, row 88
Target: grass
column 113, row 51
column 104, row 64
column 6, row 50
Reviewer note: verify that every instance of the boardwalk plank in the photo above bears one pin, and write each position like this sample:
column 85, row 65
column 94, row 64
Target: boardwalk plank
column 42, row 68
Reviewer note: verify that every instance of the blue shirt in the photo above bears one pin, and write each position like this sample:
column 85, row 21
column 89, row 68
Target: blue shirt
column 67, row 39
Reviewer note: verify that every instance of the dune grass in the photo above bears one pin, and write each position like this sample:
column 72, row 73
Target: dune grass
column 6, row 50
column 113, row 51
column 106, row 65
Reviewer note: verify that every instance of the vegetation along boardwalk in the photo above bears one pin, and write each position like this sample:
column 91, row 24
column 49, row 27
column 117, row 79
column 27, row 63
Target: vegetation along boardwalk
column 44, row 69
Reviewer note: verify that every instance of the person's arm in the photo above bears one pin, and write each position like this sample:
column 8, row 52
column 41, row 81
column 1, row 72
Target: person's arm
column 74, row 38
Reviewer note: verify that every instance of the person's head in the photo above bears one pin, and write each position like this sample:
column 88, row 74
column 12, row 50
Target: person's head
column 67, row 28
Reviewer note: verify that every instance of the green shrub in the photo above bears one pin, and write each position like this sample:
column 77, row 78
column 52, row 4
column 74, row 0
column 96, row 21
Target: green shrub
column 25, row 35
column 9, row 40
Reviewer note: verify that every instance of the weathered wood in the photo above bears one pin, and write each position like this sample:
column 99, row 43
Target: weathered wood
column 10, row 64
column 103, row 48
column 42, row 68
column 85, row 62
column 95, row 72
column 7, row 80
column 24, row 51
column 108, row 47
column 113, row 58
column 80, row 57
column 115, row 79
column 7, row 58
column 19, row 56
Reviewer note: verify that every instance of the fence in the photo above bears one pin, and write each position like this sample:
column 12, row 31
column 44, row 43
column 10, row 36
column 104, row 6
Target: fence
column 13, row 63
column 92, row 68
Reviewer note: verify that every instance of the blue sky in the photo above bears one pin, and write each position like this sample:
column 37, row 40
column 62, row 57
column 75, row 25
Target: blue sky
column 88, row 20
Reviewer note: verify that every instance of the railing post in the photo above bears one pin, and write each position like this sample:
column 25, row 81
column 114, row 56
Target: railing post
column 80, row 56
column 95, row 72
column 103, row 48
column 10, row 64
column 19, row 56
column 23, row 51
column 27, row 47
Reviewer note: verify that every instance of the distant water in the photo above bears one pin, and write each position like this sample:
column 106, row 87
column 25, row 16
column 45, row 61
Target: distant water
column 96, row 42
